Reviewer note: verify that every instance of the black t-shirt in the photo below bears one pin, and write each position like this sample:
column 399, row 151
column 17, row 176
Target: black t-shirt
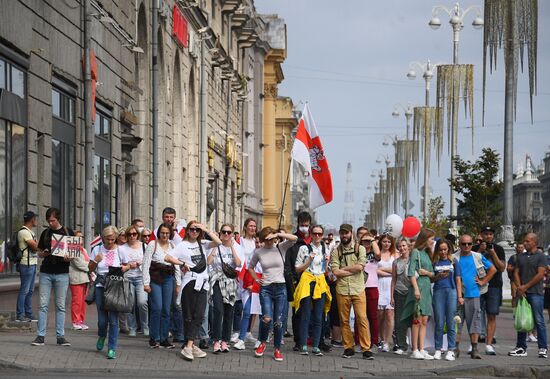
column 496, row 281
column 528, row 265
column 51, row 264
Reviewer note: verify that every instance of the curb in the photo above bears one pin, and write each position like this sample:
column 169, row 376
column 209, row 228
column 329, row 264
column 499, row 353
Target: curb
column 471, row 370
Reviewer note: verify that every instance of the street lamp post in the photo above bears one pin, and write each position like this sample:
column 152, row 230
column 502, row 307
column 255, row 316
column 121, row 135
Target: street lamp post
column 408, row 112
column 427, row 69
column 456, row 19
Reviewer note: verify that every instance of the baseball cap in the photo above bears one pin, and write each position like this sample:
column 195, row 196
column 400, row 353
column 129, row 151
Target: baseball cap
column 346, row 228
column 487, row 228
column 29, row 215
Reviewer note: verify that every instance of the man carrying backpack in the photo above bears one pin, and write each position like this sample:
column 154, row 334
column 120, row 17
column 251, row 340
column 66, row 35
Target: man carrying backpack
column 54, row 274
column 27, row 246
column 347, row 263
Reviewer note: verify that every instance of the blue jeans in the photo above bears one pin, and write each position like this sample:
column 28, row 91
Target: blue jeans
column 140, row 299
column 24, row 299
column 245, row 321
column 272, row 299
column 444, row 305
column 176, row 322
column 203, row 330
column 106, row 319
column 237, row 315
column 316, row 316
column 60, row 284
column 161, row 300
column 537, row 306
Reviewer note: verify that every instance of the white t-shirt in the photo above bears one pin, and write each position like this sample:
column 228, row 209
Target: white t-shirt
column 248, row 247
column 133, row 255
column 227, row 256
column 111, row 258
column 190, row 252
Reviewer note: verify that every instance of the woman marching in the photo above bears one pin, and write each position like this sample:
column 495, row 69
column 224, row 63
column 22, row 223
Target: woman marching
column 418, row 305
column 273, row 288
column 384, row 272
column 447, row 290
column 102, row 258
column 223, row 260
column 192, row 251
column 400, row 285
column 159, row 273
column 312, row 293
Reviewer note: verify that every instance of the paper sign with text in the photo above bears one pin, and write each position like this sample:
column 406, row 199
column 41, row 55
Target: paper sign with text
column 69, row 246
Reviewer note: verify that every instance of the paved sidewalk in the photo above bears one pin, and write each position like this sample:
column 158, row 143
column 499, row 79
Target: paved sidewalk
column 133, row 356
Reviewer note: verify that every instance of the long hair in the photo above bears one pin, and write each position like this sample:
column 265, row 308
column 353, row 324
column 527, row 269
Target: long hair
column 392, row 248
column 248, row 221
column 422, row 241
column 437, row 249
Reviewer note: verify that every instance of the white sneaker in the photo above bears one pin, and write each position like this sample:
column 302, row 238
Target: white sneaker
column 450, row 356
column 437, row 355
column 470, row 349
column 531, row 338
column 234, row 337
column 399, row 352
column 256, row 344
column 198, row 353
column 239, row 345
column 77, row 327
column 417, row 355
column 187, row 353
column 385, row 348
column 250, row 338
column 426, row 356
column 490, row 350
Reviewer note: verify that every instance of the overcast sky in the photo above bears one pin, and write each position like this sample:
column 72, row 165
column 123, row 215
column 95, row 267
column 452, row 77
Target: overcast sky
column 349, row 60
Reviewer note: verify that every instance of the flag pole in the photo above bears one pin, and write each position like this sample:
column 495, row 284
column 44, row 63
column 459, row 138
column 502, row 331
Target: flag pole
column 284, row 195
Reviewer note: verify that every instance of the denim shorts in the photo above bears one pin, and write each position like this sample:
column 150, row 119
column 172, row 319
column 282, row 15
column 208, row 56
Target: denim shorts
column 491, row 301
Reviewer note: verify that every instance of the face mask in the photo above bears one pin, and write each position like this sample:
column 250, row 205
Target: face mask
column 140, row 229
column 304, row 229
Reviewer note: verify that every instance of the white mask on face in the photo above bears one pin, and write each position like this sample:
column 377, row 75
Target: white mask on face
column 140, row 229
column 304, row 229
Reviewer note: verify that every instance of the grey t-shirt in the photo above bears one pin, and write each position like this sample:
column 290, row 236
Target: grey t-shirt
column 528, row 264
column 272, row 262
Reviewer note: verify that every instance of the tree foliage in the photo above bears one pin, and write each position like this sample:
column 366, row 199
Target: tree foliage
column 436, row 219
column 480, row 203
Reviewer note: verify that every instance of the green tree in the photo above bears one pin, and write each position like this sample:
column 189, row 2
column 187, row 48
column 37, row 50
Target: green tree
column 436, row 219
column 481, row 192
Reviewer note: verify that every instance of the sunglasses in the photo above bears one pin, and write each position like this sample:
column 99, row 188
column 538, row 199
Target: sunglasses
column 466, row 243
column 148, row 235
column 479, row 241
column 133, row 234
column 226, row 232
column 317, row 234
column 195, row 230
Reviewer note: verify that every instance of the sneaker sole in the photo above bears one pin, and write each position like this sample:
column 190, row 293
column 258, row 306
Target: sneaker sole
column 258, row 355
column 278, row 359
column 37, row 344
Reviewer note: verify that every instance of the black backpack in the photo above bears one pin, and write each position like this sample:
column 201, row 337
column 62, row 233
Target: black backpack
column 12, row 248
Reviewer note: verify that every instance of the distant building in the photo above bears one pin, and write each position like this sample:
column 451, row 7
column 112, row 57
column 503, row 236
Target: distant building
column 544, row 179
column 528, row 203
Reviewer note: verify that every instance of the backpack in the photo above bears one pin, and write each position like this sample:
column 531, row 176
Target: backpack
column 480, row 268
column 341, row 254
column 12, row 248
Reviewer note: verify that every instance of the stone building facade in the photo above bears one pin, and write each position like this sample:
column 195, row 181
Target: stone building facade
column 528, row 202
column 42, row 130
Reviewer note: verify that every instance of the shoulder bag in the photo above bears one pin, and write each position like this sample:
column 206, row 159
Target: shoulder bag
column 228, row 271
column 117, row 295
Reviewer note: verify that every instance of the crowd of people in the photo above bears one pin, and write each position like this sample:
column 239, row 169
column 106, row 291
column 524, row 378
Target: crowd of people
column 209, row 289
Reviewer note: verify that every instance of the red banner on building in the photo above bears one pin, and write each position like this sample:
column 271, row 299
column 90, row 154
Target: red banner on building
column 180, row 27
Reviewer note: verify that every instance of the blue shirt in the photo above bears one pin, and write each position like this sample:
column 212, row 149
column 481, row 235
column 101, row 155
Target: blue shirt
column 452, row 268
column 469, row 273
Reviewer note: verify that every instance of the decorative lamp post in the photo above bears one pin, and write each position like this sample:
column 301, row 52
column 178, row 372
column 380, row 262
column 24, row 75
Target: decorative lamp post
column 455, row 81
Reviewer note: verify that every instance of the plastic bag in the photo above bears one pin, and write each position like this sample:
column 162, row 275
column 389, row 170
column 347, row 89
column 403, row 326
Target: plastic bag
column 523, row 316
column 118, row 296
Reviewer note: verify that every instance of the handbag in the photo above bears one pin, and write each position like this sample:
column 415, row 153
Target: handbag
column 117, row 295
column 90, row 294
column 228, row 271
column 200, row 266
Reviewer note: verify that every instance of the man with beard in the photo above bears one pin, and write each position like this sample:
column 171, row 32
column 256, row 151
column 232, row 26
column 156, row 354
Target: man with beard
column 347, row 264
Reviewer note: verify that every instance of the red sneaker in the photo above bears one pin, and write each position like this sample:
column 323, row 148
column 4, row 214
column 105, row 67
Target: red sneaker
column 260, row 349
column 277, row 355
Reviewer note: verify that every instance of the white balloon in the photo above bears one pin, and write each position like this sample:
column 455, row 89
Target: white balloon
column 393, row 225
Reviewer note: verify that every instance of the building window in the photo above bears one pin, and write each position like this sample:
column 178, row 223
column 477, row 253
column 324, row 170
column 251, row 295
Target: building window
column 12, row 78
column 536, row 214
column 64, row 150
column 13, row 195
column 102, row 193
column 102, row 169
column 536, row 196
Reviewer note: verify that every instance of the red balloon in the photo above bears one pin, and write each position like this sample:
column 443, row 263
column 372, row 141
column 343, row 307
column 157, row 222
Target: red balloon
column 411, row 227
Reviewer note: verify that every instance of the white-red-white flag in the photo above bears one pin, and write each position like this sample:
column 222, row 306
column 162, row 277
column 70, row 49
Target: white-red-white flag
column 308, row 151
